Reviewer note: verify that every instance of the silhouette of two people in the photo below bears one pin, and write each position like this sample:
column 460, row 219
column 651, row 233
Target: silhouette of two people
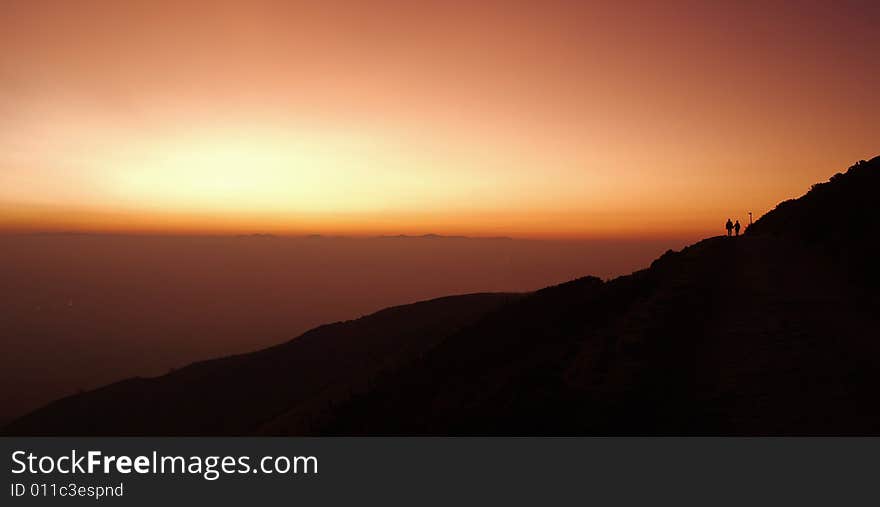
column 730, row 226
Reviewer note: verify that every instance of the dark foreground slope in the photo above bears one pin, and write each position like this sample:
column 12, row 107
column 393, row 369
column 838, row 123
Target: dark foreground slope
column 237, row 394
column 838, row 218
column 730, row 336
column 771, row 333
column 774, row 332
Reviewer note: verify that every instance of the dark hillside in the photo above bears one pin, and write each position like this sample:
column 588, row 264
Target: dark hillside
column 237, row 394
column 725, row 337
column 839, row 216
column 771, row 333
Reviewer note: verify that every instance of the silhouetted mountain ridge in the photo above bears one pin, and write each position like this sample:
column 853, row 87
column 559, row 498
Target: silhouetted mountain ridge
column 769, row 333
column 839, row 216
column 236, row 394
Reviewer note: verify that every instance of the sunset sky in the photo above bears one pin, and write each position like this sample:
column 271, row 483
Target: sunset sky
column 554, row 119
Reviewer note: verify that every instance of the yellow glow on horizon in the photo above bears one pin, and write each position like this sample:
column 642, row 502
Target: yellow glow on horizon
column 294, row 180
column 240, row 173
column 290, row 171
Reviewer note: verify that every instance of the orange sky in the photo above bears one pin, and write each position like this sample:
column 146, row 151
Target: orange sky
column 533, row 119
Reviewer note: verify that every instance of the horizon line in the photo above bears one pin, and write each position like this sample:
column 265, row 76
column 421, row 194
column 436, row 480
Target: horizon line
column 274, row 235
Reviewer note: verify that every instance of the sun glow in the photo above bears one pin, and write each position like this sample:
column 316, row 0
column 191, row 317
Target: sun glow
column 257, row 172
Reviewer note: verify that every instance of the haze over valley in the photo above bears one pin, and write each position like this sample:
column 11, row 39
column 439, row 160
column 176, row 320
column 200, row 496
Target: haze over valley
column 82, row 310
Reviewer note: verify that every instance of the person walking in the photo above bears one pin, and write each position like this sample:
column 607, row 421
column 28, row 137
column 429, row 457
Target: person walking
column 729, row 227
column 736, row 227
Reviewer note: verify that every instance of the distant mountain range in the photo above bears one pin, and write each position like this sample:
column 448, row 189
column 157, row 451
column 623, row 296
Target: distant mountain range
column 771, row 333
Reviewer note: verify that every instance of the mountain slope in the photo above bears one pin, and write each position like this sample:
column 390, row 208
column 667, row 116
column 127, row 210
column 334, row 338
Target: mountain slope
column 236, row 394
column 726, row 337
column 770, row 333
column 840, row 218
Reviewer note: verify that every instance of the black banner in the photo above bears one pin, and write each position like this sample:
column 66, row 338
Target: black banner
column 438, row 471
